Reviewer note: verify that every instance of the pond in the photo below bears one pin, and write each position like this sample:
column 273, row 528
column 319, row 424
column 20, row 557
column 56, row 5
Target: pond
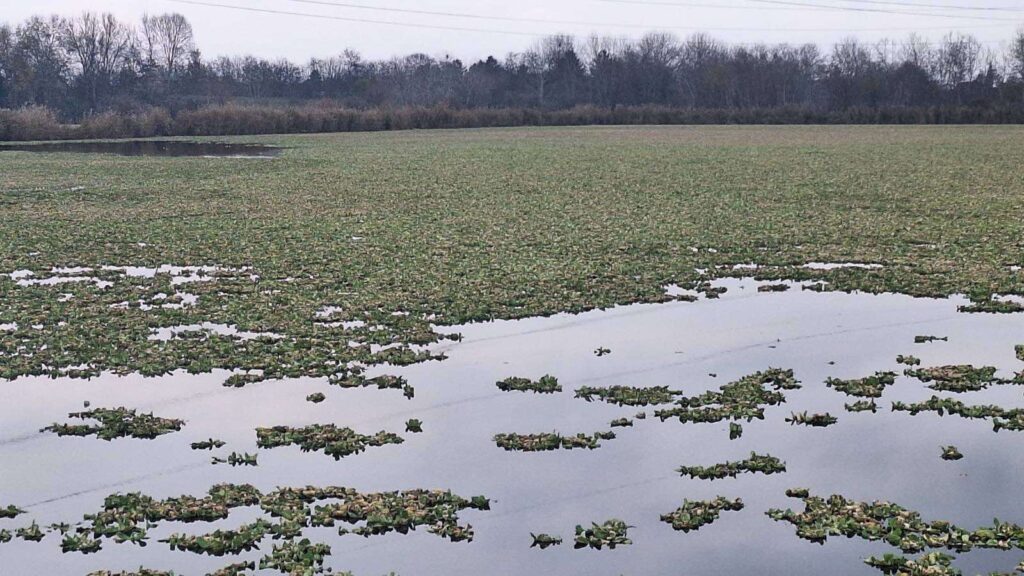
column 690, row 347
column 151, row 148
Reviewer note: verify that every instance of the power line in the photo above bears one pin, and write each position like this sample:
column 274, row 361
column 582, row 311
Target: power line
column 876, row 10
column 939, row 6
column 581, row 23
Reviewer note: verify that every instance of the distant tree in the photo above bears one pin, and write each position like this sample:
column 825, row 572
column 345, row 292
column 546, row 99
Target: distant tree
column 167, row 41
column 100, row 47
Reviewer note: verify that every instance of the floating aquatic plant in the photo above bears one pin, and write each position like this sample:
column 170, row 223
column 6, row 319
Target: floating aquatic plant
column 297, row 558
column 414, row 426
column 862, row 406
column 10, row 512
column 908, row 360
column 622, row 423
column 816, row 420
column 933, row 564
column 30, row 533
column 546, row 385
column 237, row 459
column 951, row 453
column 80, row 542
column 629, row 396
column 929, row 339
column 1002, row 418
column 334, row 441
column 697, row 514
column 552, row 441
column 869, row 387
column 963, row 378
column 744, row 399
column 117, row 423
column 610, row 534
column 602, row 352
column 773, row 288
column 755, row 464
column 735, row 431
column 222, row 542
column 210, row 444
column 545, row 541
column 992, row 305
column 316, row 398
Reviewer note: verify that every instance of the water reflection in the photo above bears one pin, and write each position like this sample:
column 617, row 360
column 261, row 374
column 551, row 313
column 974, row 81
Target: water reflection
column 152, row 148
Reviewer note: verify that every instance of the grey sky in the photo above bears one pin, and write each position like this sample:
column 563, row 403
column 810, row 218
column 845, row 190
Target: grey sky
column 222, row 31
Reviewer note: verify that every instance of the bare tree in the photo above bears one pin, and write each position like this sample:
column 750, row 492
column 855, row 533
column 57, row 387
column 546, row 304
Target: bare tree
column 100, row 46
column 1016, row 56
column 167, row 41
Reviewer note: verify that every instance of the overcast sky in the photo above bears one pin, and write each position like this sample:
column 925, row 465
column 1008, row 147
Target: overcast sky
column 225, row 31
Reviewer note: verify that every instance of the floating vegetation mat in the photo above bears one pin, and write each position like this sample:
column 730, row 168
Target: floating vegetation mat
column 755, row 464
column 628, row 396
column 744, row 399
column 117, row 423
column 545, row 541
column 610, row 534
column 951, row 453
column 1002, row 418
column 956, row 378
column 890, row 523
column 333, row 441
column 870, row 387
column 695, row 515
column 546, row 385
column 862, row 406
column 552, row 441
column 816, row 420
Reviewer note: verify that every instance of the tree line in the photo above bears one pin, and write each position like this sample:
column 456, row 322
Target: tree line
column 89, row 67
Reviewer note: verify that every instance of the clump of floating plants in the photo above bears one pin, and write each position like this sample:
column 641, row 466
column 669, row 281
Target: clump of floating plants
column 384, row 382
column 414, row 426
column 222, row 542
column 992, row 305
column 735, row 431
column 237, row 569
column 929, row 339
column 139, row 572
column 622, row 423
column 11, row 512
column 744, row 399
column 241, row 380
column 545, row 541
column 697, row 514
column 602, row 352
column 816, row 420
column 869, row 387
column 546, row 385
column 773, row 288
column 1020, row 352
column 610, row 534
column 862, row 406
column 30, row 533
column 890, row 523
column 334, row 441
column 963, row 378
column 629, row 396
column 908, row 360
column 127, row 518
column 210, row 444
column 316, row 398
column 299, row 558
column 550, row 441
column 951, row 453
column 933, row 564
column 237, row 459
column 755, row 464
column 117, row 423
column 1002, row 418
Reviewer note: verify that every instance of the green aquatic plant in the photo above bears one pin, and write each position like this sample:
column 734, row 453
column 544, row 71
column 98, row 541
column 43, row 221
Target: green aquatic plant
column 908, row 360
column 1020, row 352
column 296, row 558
column 242, row 380
column 222, row 542
column 890, row 523
column 316, row 398
column 545, row 541
column 10, row 512
column 951, row 453
column 414, row 426
column 237, row 569
column 1002, row 418
column 602, row 352
column 992, row 305
column 869, row 387
column 80, row 542
column 697, row 514
column 933, row 564
column 546, row 385
column 622, row 423
column 862, row 406
column 798, row 493
column 30, row 533
column 552, row 441
column 930, row 339
column 117, row 423
column 610, row 534
column 210, row 444
column 773, row 288
column 755, row 464
column 333, row 441
column 628, row 396
column 817, row 420
column 744, row 399
column 735, row 431
column 237, row 459
column 963, row 378
column 139, row 572
column 5, row 536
